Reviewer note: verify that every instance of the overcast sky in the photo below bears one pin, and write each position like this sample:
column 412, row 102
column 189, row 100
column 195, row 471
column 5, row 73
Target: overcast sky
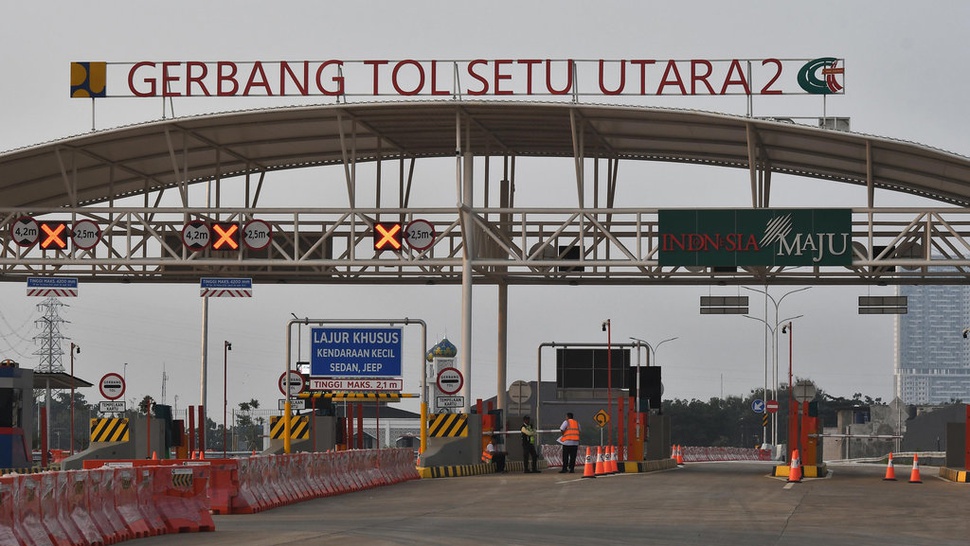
column 905, row 79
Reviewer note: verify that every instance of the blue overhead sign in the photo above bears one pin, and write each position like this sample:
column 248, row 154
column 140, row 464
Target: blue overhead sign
column 51, row 282
column 226, row 284
column 355, row 352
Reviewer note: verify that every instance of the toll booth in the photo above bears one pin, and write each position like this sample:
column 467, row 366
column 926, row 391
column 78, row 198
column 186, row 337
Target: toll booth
column 16, row 415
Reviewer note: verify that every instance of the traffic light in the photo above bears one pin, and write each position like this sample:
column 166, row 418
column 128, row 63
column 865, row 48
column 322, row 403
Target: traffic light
column 387, row 236
column 53, row 235
column 226, row 236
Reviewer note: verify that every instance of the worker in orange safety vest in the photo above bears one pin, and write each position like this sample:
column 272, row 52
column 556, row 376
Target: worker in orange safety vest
column 494, row 455
column 570, row 443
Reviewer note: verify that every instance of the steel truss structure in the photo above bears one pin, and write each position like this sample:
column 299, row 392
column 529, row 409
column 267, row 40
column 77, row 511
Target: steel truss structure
column 510, row 245
column 94, row 178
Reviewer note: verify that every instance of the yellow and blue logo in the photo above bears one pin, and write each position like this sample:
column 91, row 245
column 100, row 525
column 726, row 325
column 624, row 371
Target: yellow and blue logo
column 89, row 79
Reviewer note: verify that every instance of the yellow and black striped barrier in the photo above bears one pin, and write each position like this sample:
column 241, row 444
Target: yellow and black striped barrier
column 109, row 429
column 181, row 478
column 447, row 425
column 30, row 469
column 299, row 427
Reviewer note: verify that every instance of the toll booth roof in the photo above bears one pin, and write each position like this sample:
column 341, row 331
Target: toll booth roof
column 58, row 380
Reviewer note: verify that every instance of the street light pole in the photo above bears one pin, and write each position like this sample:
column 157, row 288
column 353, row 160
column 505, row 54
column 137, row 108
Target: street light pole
column 793, row 435
column 651, row 349
column 608, row 328
column 74, row 349
column 774, row 337
column 226, row 347
column 774, row 348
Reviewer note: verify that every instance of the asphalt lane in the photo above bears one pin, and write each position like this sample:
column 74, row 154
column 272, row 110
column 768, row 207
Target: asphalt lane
column 702, row 504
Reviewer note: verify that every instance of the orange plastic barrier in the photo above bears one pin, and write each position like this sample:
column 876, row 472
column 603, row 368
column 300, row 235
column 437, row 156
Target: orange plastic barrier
column 102, row 498
column 223, row 484
column 29, row 522
column 60, row 529
column 180, row 498
column 266, row 482
column 7, row 520
column 248, row 491
column 126, row 502
column 72, row 490
column 145, row 484
column 94, row 503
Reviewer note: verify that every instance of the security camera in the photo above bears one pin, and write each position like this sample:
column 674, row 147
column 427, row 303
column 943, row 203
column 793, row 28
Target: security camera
column 784, row 329
column 966, row 332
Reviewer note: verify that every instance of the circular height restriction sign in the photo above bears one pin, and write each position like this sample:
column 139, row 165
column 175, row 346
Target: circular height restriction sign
column 112, row 386
column 257, row 234
column 86, row 234
column 450, row 380
column 419, row 234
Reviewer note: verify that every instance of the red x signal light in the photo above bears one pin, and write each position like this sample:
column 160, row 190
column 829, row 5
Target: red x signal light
column 53, row 235
column 226, row 236
column 387, row 236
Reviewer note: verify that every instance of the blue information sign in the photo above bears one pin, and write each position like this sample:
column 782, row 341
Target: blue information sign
column 355, row 352
column 758, row 405
column 51, row 282
column 225, row 284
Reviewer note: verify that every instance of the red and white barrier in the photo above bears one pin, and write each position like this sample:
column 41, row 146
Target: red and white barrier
column 266, row 482
column 698, row 454
column 181, row 499
column 109, row 504
column 7, row 518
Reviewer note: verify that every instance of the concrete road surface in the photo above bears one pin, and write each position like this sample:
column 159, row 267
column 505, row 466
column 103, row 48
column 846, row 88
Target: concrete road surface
column 702, row 504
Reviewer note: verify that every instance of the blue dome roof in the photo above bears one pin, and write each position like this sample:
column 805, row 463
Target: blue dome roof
column 444, row 349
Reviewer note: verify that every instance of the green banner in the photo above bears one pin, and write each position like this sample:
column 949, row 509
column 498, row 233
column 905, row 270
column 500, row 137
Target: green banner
column 756, row 237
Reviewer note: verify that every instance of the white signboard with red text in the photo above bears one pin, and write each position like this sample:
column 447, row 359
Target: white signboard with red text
column 523, row 76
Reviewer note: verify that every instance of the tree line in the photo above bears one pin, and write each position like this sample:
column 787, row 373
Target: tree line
column 731, row 421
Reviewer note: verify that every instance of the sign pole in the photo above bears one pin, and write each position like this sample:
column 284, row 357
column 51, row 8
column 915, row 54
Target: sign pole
column 286, row 372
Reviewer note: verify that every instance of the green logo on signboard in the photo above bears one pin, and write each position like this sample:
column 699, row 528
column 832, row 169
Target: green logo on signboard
column 756, row 237
column 821, row 76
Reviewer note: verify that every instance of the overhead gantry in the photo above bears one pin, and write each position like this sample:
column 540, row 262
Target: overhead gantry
column 130, row 202
column 140, row 186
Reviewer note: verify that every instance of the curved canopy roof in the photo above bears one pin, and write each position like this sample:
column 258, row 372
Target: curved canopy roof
column 108, row 164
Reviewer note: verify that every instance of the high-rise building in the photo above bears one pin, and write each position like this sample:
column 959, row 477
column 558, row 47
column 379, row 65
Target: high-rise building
column 932, row 356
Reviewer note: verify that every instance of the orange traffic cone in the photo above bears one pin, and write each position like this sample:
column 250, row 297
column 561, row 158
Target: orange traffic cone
column 154, row 455
column 614, row 460
column 678, row 455
column 795, row 471
column 201, row 454
column 588, row 466
column 600, row 469
column 890, row 471
column 914, row 475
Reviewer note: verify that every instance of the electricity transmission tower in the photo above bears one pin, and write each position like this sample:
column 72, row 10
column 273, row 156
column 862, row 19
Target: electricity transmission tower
column 50, row 338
